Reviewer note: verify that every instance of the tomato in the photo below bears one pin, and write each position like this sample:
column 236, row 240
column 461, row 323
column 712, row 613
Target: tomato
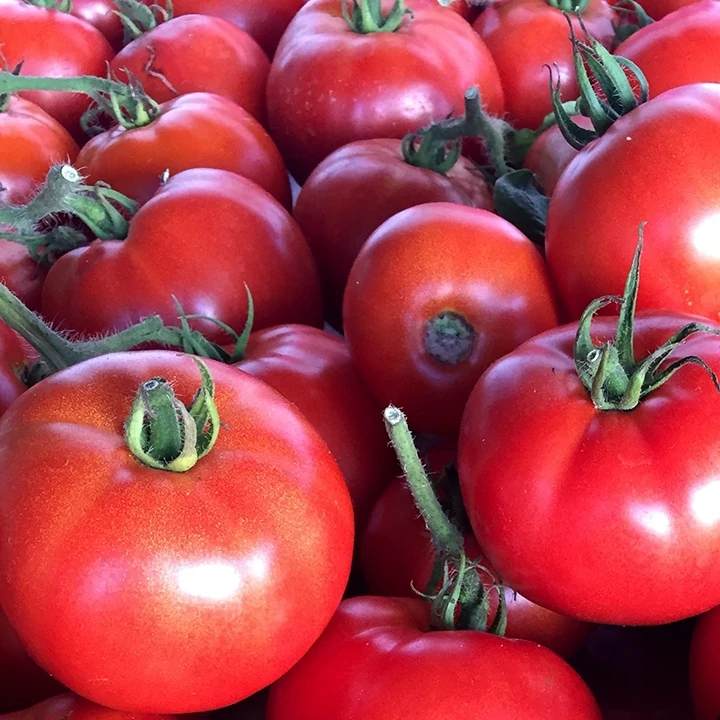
column 705, row 665
column 603, row 196
column 182, row 592
column 396, row 555
column 22, row 682
column 197, row 53
column 376, row 660
column 133, row 161
column 658, row 9
column 53, row 44
column 250, row 239
column 102, row 14
column 682, row 49
column 436, row 294
column 594, row 513
column 337, row 223
column 313, row 369
column 15, row 355
column 527, row 36
column 330, row 85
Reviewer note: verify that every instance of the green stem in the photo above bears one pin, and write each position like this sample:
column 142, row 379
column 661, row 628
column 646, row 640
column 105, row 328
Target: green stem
column 365, row 16
column 65, row 6
column 138, row 18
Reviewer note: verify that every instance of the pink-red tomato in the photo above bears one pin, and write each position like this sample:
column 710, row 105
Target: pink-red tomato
column 594, row 513
column 330, row 85
column 526, row 37
column 203, row 236
column 705, row 666
column 355, row 189
column 437, row 293
column 377, row 661
column 102, row 14
column 199, row 130
column 151, row 591
column 197, row 53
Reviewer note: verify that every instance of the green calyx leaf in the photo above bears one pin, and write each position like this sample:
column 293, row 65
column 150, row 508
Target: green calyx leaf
column 518, row 198
column 575, row 7
column 162, row 433
column 139, row 18
column 366, row 16
column 610, row 87
column 65, row 6
column 610, row 372
column 632, row 18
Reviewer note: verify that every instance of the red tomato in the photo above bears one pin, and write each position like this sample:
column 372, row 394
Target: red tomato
column 396, row 555
column 22, row 682
column 658, row 9
column 592, row 226
column 682, row 49
column 313, row 369
column 53, row 44
column 73, row 707
column 705, row 666
column 329, row 85
column 15, row 354
column 527, row 36
column 153, row 592
column 103, row 15
column 197, row 53
column 377, row 661
column 436, row 294
column 249, row 238
column 337, row 224
column 595, row 513
column 133, row 161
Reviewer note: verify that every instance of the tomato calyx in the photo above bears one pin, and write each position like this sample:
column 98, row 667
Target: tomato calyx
column 610, row 87
column 35, row 224
column 162, row 433
column 138, row 18
column 632, row 18
column 610, row 372
column 462, row 601
column 126, row 103
column 65, row 6
column 449, row 338
column 575, row 7
column 366, row 16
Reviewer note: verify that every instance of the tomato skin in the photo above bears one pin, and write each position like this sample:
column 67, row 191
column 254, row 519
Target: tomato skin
column 592, row 225
column 431, row 259
column 384, row 665
column 198, row 53
column 72, row 707
column 53, row 44
column 682, row 49
column 336, row 225
column 705, row 665
column 184, row 592
column 658, row 9
column 313, row 369
column 133, row 161
column 573, row 505
column 526, row 36
column 99, row 13
column 109, row 285
column 329, row 86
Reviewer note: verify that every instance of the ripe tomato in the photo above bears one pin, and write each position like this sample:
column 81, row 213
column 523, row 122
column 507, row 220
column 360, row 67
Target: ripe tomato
column 527, row 36
column 337, row 224
column 250, row 239
column 313, row 369
column 133, row 161
column 594, row 513
column 197, row 53
column 396, row 555
column 682, row 49
column 658, row 9
column 592, row 224
column 330, row 85
column 53, row 44
column 73, row 707
column 156, row 592
column 385, row 665
column 705, row 665
column 103, row 15
column 437, row 293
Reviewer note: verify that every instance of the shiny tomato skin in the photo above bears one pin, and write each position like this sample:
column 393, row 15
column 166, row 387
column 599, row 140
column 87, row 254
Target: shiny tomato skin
column 336, row 225
column 603, row 196
column 527, row 36
column 183, row 592
column 705, row 666
column 396, row 555
column 53, row 44
column 102, row 14
column 249, row 238
column 658, row 9
column 329, row 86
column 313, row 369
column 133, row 161
column 197, row 53
column 386, row 665
column 428, row 260
column 682, row 49
column 574, row 505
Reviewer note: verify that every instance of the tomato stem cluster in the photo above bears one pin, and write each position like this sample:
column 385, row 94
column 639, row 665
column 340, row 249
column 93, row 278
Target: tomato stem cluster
column 138, row 18
column 366, row 16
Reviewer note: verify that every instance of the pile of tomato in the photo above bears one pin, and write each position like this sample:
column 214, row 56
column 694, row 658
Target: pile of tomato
column 359, row 359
